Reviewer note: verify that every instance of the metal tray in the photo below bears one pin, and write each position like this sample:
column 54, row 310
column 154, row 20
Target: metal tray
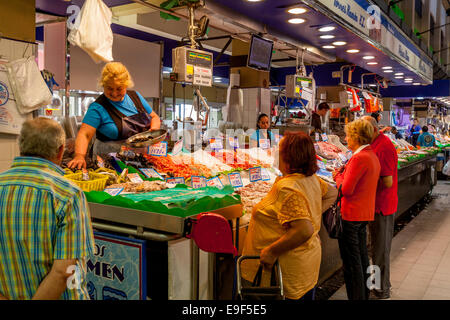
column 151, row 138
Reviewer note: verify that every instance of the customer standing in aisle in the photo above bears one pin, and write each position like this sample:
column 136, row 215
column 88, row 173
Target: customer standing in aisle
column 45, row 227
column 115, row 116
column 286, row 223
column 381, row 230
column 358, row 184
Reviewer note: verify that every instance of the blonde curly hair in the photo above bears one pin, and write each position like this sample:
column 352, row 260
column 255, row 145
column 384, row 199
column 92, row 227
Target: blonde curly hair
column 360, row 130
column 116, row 71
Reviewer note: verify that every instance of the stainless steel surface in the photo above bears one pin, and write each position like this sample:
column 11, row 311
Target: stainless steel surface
column 137, row 218
column 141, row 234
column 414, row 182
column 150, row 137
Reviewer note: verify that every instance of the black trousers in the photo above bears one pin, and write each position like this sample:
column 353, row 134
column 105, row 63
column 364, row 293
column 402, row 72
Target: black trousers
column 355, row 259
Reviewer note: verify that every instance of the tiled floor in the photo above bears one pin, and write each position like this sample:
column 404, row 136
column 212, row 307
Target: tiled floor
column 420, row 257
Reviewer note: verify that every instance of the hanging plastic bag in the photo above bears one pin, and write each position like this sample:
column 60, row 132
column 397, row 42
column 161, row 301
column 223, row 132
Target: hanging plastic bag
column 30, row 90
column 446, row 169
column 94, row 34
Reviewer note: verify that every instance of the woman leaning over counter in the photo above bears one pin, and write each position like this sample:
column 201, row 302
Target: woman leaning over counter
column 285, row 224
column 115, row 116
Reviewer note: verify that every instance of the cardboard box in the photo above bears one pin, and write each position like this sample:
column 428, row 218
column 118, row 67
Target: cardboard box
column 251, row 78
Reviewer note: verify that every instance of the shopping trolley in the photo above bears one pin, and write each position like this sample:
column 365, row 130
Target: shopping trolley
column 255, row 291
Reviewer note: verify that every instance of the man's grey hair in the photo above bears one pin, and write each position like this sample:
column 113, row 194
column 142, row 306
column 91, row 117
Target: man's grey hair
column 372, row 121
column 41, row 137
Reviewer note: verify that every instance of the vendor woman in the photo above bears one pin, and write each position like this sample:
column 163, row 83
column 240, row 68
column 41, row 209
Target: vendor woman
column 262, row 137
column 115, row 116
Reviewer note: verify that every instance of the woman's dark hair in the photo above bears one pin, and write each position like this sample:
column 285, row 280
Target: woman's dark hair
column 297, row 150
column 262, row 115
column 375, row 115
column 323, row 105
column 424, row 129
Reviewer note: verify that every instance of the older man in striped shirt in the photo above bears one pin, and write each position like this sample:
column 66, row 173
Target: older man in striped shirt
column 45, row 227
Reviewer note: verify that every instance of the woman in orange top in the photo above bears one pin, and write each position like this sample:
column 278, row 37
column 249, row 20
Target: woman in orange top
column 358, row 183
column 286, row 223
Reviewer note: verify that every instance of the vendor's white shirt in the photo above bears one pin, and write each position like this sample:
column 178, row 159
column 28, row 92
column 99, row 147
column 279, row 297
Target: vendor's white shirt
column 361, row 148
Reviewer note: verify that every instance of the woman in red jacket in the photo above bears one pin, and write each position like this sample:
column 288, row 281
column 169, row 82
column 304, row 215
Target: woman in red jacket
column 358, row 183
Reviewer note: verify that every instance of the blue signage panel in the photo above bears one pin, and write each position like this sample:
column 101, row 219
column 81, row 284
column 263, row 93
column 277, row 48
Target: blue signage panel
column 117, row 270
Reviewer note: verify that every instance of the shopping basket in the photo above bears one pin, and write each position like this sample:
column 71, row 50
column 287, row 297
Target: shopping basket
column 96, row 182
column 255, row 291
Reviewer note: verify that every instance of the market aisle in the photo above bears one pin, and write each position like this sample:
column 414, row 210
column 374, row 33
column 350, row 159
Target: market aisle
column 420, row 267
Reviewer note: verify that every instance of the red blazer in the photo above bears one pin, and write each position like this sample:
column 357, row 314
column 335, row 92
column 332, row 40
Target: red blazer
column 359, row 186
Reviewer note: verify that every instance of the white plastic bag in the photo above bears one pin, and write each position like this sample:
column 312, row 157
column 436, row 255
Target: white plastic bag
column 446, row 169
column 94, row 34
column 30, row 90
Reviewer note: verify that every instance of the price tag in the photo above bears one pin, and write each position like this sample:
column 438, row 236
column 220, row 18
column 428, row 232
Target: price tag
column 317, row 137
column 176, row 180
column 158, row 150
column 113, row 191
column 234, row 142
column 325, row 173
column 342, row 156
column 100, row 162
column 198, row 182
column 307, row 94
column 255, row 174
column 264, row 143
column 324, row 137
column 151, row 173
column 135, row 178
column 264, row 174
column 321, row 165
column 216, row 143
column 235, row 179
column 214, row 182
column 177, row 147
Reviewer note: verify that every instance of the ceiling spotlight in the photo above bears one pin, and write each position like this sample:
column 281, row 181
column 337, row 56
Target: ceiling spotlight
column 416, row 84
column 353, row 51
column 385, row 68
column 398, row 74
column 253, row 0
column 296, row 20
column 339, row 43
column 327, row 36
column 408, row 79
column 328, row 47
column 372, row 63
column 326, row 29
column 297, row 10
column 387, row 71
column 368, row 57
column 399, row 77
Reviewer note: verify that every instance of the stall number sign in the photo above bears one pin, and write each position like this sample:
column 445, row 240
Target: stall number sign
column 214, row 182
column 264, row 143
column 235, row 180
column 264, row 174
column 198, row 182
column 135, row 178
column 151, row 173
column 255, row 174
column 158, row 150
column 324, row 137
column 177, row 147
column 113, row 191
column 176, row 180
column 216, row 143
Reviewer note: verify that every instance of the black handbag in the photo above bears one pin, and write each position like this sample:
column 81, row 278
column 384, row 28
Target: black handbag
column 332, row 219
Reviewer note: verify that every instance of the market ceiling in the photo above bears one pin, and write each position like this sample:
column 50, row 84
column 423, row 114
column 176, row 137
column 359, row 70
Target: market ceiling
column 274, row 15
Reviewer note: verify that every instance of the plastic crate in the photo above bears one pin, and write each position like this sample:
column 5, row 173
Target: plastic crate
column 96, row 182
